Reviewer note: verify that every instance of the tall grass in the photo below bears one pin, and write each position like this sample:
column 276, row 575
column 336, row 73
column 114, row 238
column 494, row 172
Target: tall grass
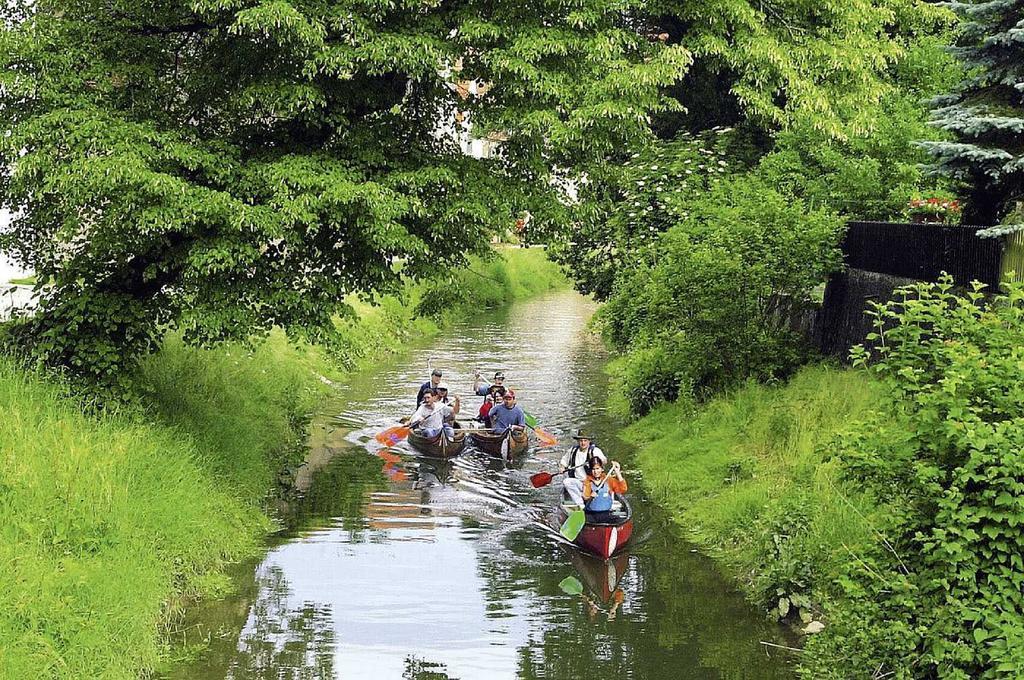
column 110, row 525
column 512, row 274
column 106, row 523
column 245, row 409
column 748, row 477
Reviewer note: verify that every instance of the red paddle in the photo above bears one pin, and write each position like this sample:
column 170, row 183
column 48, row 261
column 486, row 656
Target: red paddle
column 541, row 479
column 393, row 435
column 544, row 478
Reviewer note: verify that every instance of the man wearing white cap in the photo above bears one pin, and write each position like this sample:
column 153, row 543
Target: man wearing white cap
column 573, row 463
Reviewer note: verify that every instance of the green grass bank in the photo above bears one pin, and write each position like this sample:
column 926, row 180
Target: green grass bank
column 749, row 478
column 111, row 525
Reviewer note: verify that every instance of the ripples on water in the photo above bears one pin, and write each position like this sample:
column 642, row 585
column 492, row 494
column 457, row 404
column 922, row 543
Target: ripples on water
column 399, row 566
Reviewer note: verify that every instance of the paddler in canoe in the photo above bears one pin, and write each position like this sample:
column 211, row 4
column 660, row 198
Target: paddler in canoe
column 435, row 380
column 507, row 416
column 605, row 525
column 574, row 462
column 429, row 419
column 599, row 488
column 495, row 390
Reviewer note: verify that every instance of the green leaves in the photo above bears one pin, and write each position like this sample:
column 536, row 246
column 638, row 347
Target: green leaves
column 699, row 306
column 817, row 65
column 947, row 458
column 984, row 112
column 226, row 166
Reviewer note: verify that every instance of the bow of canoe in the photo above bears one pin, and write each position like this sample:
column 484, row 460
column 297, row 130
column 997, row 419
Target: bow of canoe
column 491, row 443
column 439, row 446
column 604, row 534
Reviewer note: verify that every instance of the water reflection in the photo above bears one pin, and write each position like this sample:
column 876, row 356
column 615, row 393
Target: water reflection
column 399, row 566
column 283, row 642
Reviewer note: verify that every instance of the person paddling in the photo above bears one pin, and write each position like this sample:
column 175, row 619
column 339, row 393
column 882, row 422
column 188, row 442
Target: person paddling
column 442, row 396
column 579, row 455
column 483, row 415
column 507, row 415
column 435, row 380
column 431, row 414
column 495, row 390
column 599, row 487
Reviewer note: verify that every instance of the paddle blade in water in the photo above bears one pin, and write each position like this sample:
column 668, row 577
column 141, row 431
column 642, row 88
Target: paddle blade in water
column 573, row 525
column 540, row 479
column 392, row 435
column 571, row 585
column 544, row 437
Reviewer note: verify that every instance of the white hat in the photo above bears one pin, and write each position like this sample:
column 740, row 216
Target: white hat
column 441, row 386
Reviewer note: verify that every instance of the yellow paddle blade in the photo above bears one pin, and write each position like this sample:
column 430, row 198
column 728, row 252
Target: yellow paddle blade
column 544, row 437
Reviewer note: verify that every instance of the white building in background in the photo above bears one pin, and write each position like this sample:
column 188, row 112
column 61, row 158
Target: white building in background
column 471, row 142
column 11, row 295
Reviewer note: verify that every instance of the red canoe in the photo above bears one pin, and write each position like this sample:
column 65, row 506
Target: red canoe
column 604, row 538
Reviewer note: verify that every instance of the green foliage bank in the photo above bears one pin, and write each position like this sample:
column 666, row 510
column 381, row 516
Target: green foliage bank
column 886, row 502
column 110, row 525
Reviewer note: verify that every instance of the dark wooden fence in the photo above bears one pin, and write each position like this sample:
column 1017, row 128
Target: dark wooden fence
column 923, row 251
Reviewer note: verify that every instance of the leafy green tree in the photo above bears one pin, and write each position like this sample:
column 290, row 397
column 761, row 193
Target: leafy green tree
column 869, row 175
column 708, row 305
column 985, row 112
column 224, row 166
column 818, row 63
column 646, row 195
column 826, row 96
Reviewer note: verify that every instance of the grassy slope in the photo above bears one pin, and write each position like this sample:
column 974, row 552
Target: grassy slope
column 748, row 478
column 109, row 525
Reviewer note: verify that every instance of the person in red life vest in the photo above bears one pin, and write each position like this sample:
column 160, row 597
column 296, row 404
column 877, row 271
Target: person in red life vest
column 483, row 415
column 599, row 487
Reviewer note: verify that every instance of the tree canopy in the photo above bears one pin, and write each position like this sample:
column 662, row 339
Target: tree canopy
column 223, row 166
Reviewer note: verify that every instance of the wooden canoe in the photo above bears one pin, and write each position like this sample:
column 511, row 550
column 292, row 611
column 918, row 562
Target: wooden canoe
column 603, row 538
column 439, row 446
column 489, row 442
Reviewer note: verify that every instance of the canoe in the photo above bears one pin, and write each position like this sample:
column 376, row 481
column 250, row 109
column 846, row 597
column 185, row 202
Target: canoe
column 603, row 538
column 439, row 446
column 489, row 442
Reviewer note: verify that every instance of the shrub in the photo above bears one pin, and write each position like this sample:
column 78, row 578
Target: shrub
column 710, row 302
column 950, row 459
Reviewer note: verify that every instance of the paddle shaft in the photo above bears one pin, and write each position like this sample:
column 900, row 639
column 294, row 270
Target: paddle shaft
column 536, row 479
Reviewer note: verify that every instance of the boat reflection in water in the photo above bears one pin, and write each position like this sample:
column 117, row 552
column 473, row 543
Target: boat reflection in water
column 600, row 583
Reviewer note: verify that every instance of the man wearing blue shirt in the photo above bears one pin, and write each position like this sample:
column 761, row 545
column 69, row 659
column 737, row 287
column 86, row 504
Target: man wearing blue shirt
column 507, row 415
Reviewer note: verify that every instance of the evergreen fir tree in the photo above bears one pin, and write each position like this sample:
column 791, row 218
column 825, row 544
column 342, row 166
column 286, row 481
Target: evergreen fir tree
column 985, row 113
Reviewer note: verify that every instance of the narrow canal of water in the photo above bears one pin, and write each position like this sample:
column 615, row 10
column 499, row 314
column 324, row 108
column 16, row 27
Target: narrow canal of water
column 398, row 566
